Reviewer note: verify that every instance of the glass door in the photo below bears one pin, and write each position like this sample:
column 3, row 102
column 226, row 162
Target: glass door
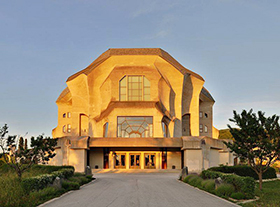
column 134, row 161
column 120, row 161
column 150, row 161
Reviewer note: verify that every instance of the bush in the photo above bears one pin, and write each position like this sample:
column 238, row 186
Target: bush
column 89, row 177
column 186, row 180
column 245, row 185
column 195, row 181
column 42, row 181
column 70, row 185
column 208, row 185
column 237, row 195
column 244, row 170
column 81, row 180
column 225, row 189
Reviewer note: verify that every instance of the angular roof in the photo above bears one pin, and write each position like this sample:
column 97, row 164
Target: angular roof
column 135, row 51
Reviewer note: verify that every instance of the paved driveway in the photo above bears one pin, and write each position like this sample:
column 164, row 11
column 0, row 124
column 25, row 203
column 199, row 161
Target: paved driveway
column 129, row 190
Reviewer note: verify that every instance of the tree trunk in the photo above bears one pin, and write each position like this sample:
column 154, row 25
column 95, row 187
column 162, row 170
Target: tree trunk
column 260, row 180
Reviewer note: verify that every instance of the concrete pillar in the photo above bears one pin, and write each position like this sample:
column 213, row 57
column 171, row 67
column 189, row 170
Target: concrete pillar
column 142, row 160
column 77, row 158
column 126, row 160
column 111, row 160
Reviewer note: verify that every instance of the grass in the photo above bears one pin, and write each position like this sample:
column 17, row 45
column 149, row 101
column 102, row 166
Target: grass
column 269, row 196
column 12, row 193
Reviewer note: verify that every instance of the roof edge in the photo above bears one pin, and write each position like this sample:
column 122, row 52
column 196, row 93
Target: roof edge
column 135, row 51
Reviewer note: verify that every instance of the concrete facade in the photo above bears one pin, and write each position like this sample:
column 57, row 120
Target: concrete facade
column 137, row 108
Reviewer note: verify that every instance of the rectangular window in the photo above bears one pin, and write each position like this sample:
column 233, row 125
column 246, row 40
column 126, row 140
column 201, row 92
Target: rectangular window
column 200, row 114
column 69, row 128
column 200, row 128
column 134, row 88
column 69, row 115
column 135, row 126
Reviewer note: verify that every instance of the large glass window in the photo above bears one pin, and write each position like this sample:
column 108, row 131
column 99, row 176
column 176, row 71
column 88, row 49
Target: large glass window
column 135, row 126
column 134, row 88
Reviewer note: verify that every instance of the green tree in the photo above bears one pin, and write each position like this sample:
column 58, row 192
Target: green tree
column 20, row 158
column 256, row 140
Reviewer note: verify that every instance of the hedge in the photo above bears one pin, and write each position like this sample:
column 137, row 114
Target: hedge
column 42, row 181
column 245, row 185
column 244, row 170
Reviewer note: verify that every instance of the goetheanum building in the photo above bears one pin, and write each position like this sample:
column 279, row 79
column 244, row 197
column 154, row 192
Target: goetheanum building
column 137, row 109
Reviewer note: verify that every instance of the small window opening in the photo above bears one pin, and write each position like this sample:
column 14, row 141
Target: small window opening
column 69, row 128
column 201, row 128
column 200, row 114
column 206, row 115
column 205, row 129
column 69, row 115
column 64, row 129
column 64, row 115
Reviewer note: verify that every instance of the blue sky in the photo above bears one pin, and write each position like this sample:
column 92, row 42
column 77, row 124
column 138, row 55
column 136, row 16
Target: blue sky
column 233, row 44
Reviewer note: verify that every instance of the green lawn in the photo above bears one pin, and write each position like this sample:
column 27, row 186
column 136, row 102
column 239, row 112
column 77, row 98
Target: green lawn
column 12, row 193
column 269, row 196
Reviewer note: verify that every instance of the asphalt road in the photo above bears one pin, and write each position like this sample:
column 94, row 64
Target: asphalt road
column 141, row 190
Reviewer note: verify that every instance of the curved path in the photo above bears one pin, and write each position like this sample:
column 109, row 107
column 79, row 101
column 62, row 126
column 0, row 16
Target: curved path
column 138, row 190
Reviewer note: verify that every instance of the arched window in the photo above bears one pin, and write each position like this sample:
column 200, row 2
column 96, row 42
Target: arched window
column 164, row 124
column 64, row 129
column 164, row 129
column 134, row 88
column 205, row 129
column 105, row 129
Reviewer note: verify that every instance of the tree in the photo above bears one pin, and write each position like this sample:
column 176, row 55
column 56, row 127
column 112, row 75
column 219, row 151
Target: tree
column 257, row 140
column 21, row 158
column 225, row 134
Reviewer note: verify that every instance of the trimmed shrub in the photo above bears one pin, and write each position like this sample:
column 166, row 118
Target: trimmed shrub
column 225, row 189
column 244, row 170
column 238, row 195
column 245, row 185
column 42, row 181
column 208, row 185
column 70, row 185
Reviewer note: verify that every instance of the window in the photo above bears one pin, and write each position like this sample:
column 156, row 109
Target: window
column 205, row 129
column 134, row 88
column 64, row 115
column 200, row 114
column 206, row 115
column 200, row 128
column 69, row 115
column 64, row 129
column 105, row 129
column 135, row 126
column 164, row 129
column 68, row 128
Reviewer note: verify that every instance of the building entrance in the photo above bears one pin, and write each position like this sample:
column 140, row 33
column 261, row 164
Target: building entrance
column 134, row 162
column 120, row 161
column 150, row 161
